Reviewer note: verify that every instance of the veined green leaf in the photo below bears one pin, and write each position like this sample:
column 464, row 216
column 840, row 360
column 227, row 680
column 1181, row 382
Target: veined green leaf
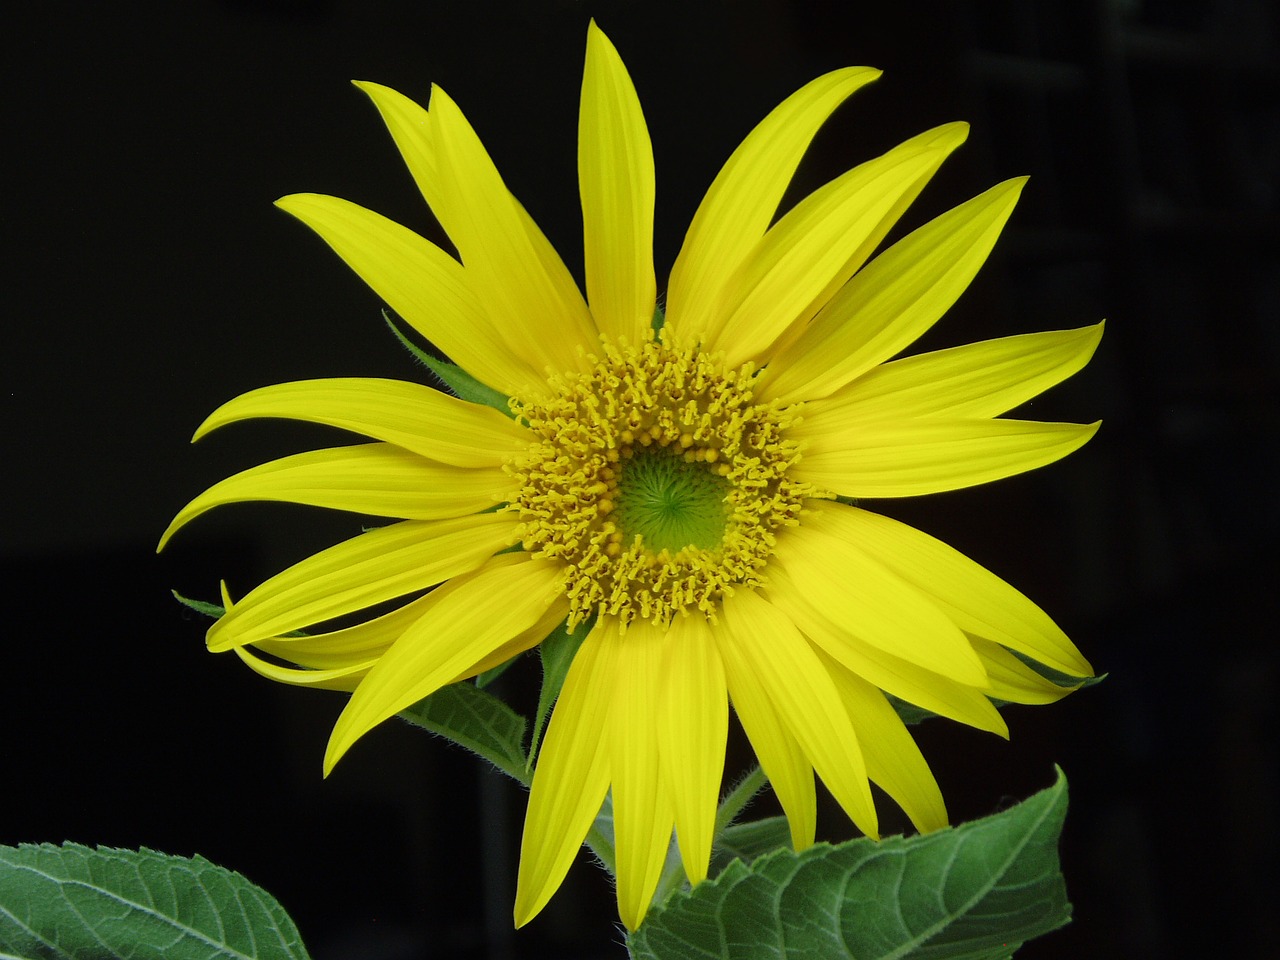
column 477, row 720
column 75, row 903
column 972, row 892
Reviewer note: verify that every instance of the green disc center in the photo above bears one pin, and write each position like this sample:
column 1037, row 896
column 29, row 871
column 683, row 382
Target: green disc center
column 671, row 502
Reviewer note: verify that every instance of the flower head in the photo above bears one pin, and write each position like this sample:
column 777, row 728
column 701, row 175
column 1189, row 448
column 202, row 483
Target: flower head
column 679, row 491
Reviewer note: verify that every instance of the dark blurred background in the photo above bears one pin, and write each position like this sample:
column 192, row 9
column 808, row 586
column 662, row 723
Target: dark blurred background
column 154, row 280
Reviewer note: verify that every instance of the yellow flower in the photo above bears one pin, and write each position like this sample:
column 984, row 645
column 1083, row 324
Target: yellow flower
column 682, row 496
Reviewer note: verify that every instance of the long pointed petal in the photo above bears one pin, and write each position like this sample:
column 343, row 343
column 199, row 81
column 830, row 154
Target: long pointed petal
column 693, row 723
column 982, row 379
column 892, row 300
column 763, row 640
column 849, row 587
column 467, row 618
column 380, row 479
column 789, row 771
column 616, row 179
column 894, row 675
column 642, row 814
column 524, row 288
column 819, row 244
column 974, row 597
column 909, row 458
column 421, row 283
column 572, row 775
column 894, row 762
column 429, row 423
column 409, row 126
column 744, row 196
column 372, row 568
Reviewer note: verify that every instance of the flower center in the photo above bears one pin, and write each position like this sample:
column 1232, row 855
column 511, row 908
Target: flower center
column 656, row 480
column 671, row 503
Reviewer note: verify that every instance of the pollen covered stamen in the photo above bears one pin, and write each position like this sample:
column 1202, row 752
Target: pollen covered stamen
column 656, row 480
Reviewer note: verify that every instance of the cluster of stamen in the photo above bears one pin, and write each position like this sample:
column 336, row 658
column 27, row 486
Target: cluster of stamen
column 583, row 482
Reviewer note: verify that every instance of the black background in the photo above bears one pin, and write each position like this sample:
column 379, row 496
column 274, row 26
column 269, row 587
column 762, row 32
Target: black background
column 148, row 279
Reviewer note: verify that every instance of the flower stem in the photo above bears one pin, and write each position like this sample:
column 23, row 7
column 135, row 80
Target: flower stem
column 739, row 797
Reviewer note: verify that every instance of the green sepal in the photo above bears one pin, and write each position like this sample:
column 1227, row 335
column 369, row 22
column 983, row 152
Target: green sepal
column 972, row 892
column 464, row 385
column 478, row 721
column 557, row 652
column 215, row 610
column 71, row 901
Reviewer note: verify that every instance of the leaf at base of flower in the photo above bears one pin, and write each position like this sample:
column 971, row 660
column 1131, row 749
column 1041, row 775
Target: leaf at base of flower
column 477, row 720
column 972, row 892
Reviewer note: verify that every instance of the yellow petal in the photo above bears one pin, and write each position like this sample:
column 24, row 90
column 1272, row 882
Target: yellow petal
column 427, row 422
column 894, row 762
column 853, row 589
column 908, row 458
column 422, row 284
column 818, row 245
column 572, row 775
column 642, row 813
column 974, row 597
column 693, row 723
column 374, row 567
column 762, row 640
column 789, row 771
column 521, row 642
column 982, row 379
column 892, row 300
column 467, row 618
column 523, row 286
column 358, row 643
column 742, row 200
column 408, row 124
column 1012, row 680
column 894, row 675
column 345, row 678
column 616, row 179
column 380, row 479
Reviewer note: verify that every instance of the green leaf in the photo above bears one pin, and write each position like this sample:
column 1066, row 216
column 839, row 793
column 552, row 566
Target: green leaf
column 463, row 384
column 557, row 652
column 477, row 720
column 75, row 903
column 971, row 892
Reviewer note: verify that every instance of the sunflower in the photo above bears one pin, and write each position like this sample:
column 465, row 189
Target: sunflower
column 677, row 485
